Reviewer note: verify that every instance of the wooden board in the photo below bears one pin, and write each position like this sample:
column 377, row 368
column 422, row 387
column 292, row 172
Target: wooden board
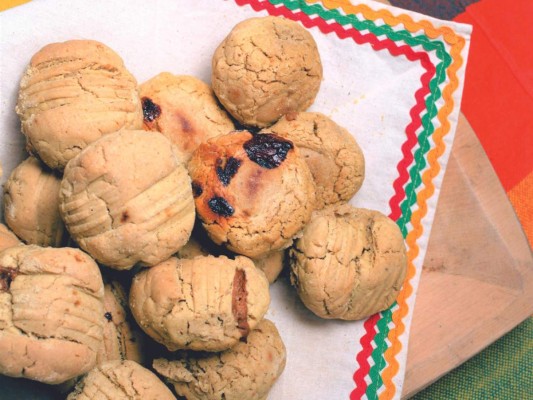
column 477, row 281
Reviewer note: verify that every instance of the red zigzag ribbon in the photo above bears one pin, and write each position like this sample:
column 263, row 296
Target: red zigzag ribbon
column 416, row 122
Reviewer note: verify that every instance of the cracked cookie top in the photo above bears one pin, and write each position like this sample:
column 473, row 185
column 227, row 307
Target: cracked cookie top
column 51, row 313
column 205, row 303
column 121, row 380
column 184, row 109
column 71, row 94
column 247, row 371
column 266, row 67
column 31, row 204
column 331, row 152
column 127, row 198
column 349, row 263
column 253, row 193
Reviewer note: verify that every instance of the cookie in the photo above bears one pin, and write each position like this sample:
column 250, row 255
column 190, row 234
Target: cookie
column 51, row 313
column 123, row 340
column 184, row 109
column 7, row 238
column 201, row 245
column 71, row 94
column 349, row 263
column 207, row 303
column 253, row 193
column 31, row 204
column 127, row 198
column 271, row 264
column 331, row 152
column 121, row 380
column 265, row 68
column 247, row 371
column 193, row 248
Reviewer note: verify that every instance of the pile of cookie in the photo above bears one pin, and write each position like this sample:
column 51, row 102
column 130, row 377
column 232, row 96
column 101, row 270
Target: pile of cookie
column 200, row 195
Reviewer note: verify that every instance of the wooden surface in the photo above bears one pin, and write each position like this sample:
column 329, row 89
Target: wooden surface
column 477, row 281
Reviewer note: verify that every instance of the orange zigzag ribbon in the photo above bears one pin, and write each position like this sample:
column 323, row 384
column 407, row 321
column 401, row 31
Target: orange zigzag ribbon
column 457, row 43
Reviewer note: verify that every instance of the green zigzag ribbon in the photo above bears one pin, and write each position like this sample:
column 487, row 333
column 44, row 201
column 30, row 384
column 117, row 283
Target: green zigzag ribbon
column 424, row 145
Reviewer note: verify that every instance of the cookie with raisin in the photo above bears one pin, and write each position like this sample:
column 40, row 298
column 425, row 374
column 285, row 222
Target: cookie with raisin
column 253, row 193
column 331, row 152
column 184, row 109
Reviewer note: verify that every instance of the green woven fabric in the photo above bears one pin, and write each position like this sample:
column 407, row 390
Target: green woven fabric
column 502, row 371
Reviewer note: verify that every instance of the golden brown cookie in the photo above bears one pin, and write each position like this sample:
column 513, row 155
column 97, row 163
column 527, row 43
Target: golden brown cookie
column 51, row 313
column 247, row 371
column 271, row 264
column 331, row 152
column 123, row 340
column 31, row 204
column 253, row 193
column 7, row 238
column 207, row 303
column 71, row 94
column 127, row 198
column 121, row 380
column 184, row 109
column 349, row 263
column 266, row 67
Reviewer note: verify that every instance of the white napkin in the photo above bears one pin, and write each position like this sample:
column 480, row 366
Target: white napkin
column 369, row 88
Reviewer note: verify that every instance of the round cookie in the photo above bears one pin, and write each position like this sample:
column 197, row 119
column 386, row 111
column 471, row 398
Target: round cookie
column 266, row 67
column 207, row 303
column 123, row 340
column 349, row 263
column 247, row 371
column 31, row 204
column 121, row 380
column 71, row 94
column 184, row 109
column 331, row 152
column 7, row 238
column 127, row 198
column 51, row 313
column 253, row 193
